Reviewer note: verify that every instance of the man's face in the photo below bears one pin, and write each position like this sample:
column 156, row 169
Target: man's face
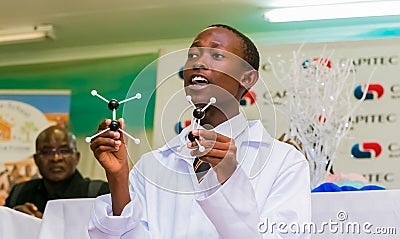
column 214, row 67
column 56, row 157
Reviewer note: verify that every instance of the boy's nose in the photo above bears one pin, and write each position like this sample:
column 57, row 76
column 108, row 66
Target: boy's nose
column 199, row 65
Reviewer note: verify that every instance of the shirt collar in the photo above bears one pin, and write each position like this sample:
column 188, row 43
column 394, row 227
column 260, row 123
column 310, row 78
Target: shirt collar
column 230, row 128
column 233, row 127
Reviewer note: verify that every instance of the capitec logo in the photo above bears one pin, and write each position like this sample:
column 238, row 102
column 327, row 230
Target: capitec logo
column 323, row 61
column 179, row 126
column 366, row 150
column 373, row 91
column 249, row 98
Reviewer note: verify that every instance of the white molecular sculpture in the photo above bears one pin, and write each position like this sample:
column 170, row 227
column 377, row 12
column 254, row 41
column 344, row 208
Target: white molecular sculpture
column 198, row 114
column 319, row 107
column 114, row 125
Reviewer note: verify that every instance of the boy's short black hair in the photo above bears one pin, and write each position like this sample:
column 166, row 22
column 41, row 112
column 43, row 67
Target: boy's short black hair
column 250, row 51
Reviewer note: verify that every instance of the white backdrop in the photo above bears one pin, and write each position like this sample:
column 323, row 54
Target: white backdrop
column 375, row 135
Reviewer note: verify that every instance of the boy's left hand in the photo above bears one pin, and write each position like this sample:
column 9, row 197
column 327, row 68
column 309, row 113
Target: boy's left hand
column 220, row 152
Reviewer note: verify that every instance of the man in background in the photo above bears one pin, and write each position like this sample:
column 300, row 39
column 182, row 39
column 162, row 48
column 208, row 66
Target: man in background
column 56, row 158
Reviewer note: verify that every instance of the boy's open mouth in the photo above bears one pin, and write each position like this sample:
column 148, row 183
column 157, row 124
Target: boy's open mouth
column 199, row 80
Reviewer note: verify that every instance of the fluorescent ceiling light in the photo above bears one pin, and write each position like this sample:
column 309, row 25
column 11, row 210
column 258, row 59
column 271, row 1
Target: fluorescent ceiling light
column 39, row 32
column 334, row 11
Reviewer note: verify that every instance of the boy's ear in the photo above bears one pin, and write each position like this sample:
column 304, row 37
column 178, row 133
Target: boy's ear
column 249, row 79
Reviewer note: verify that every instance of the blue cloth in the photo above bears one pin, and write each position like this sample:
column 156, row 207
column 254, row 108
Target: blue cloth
column 331, row 187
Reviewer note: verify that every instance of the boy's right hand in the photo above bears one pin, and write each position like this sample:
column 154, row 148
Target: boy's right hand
column 110, row 150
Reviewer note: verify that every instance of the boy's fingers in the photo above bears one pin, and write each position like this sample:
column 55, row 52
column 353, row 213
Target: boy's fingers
column 211, row 135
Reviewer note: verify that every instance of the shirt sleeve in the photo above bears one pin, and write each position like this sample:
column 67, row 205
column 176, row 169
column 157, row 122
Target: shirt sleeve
column 235, row 212
column 287, row 209
column 130, row 224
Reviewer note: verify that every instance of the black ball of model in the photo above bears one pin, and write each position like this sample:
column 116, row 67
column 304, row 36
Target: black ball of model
column 198, row 113
column 114, row 125
column 113, row 104
column 192, row 137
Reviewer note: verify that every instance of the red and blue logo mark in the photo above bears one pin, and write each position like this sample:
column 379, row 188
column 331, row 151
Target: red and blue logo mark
column 180, row 72
column 179, row 126
column 366, row 150
column 374, row 91
column 323, row 61
column 249, row 98
column 322, row 119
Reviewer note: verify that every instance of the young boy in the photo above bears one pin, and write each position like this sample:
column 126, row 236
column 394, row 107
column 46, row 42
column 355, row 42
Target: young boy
column 252, row 181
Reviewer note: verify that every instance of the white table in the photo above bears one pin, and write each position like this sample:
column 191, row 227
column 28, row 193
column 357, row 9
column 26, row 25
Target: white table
column 371, row 209
column 68, row 218
column 17, row 225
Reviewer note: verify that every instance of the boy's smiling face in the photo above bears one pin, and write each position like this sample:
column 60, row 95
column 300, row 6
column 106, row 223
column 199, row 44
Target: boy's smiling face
column 215, row 67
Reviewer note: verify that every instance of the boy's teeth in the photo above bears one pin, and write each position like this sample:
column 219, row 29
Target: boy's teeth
column 199, row 80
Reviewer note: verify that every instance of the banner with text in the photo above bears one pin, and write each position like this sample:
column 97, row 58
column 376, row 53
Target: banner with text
column 23, row 114
column 372, row 146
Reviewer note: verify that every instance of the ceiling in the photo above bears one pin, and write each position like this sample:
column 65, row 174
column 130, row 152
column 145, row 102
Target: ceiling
column 102, row 23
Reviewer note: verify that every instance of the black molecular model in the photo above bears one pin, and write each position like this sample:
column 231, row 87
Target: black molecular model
column 114, row 125
column 198, row 115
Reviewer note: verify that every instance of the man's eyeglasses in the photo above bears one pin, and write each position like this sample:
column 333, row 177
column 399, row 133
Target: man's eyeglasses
column 50, row 152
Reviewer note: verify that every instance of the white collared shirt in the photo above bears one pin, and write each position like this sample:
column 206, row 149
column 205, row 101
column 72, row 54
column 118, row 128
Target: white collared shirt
column 271, row 184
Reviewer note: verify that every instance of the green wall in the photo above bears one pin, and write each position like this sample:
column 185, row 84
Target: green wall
column 111, row 77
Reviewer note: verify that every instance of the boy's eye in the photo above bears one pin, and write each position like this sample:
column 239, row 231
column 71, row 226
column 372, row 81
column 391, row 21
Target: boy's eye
column 192, row 55
column 218, row 56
